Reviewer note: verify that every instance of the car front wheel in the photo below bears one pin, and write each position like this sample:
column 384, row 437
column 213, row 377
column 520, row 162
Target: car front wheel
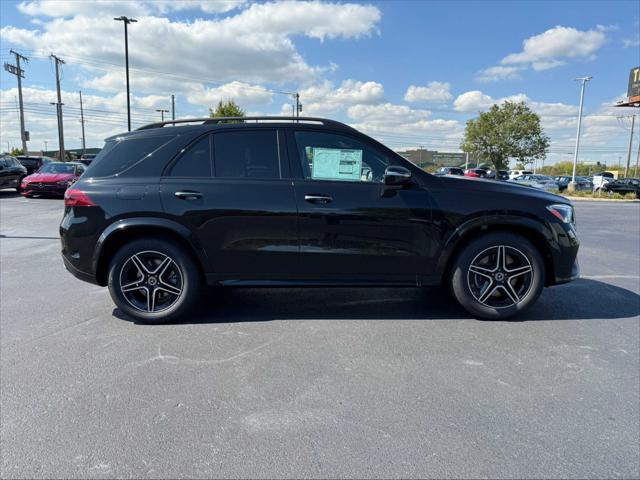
column 498, row 276
column 154, row 281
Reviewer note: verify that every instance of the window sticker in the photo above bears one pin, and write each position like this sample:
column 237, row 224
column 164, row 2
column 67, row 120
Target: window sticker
column 336, row 164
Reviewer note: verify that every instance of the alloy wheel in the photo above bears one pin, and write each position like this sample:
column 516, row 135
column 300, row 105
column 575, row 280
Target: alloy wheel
column 151, row 281
column 500, row 276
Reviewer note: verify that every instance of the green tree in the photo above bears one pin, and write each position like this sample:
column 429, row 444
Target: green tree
column 16, row 151
column 510, row 130
column 226, row 109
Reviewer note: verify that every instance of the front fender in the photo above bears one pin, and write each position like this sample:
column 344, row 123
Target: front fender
column 493, row 221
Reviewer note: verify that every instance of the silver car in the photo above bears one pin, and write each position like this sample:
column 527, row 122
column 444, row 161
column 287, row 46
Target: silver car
column 542, row 182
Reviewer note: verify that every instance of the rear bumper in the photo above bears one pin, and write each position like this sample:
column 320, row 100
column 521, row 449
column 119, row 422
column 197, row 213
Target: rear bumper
column 79, row 274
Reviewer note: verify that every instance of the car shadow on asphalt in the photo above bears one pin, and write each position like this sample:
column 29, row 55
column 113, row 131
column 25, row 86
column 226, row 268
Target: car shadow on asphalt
column 9, row 194
column 583, row 299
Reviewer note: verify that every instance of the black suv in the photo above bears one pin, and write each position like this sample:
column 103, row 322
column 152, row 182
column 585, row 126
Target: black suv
column 263, row 201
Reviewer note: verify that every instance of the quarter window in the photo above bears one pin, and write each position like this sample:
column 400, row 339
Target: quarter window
column 195, row 162
column 246, row 154
column 329, row 156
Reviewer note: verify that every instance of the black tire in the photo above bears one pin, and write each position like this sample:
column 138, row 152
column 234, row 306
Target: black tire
column 493, row 295
column 163, row 278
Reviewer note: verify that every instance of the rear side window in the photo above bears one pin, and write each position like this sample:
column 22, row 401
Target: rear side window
column 120, row 154
column 195, row 161
column 246, row 154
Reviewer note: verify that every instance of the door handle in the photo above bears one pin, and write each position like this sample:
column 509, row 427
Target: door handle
column 188, row 195
column 317, row 198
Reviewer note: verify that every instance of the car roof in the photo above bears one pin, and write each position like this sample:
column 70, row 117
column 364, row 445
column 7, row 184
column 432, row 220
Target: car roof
column 188, row 125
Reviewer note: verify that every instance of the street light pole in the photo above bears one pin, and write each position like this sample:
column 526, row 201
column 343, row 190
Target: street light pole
column 162, row 112
column 572, row 184
column 127, row 21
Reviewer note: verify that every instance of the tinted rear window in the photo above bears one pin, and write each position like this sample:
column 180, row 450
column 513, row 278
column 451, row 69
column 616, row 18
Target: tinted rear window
column 246, row 154
column 28, row 162
column 120, row 154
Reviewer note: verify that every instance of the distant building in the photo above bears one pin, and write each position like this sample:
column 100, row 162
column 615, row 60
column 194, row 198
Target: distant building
column 424, row 158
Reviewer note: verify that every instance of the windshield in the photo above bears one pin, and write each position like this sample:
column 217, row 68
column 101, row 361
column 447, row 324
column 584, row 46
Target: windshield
column 58, row 168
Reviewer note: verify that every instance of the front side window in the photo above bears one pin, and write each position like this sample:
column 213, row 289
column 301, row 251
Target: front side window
column 246, row 154
column 330, row 156
column 195, row 161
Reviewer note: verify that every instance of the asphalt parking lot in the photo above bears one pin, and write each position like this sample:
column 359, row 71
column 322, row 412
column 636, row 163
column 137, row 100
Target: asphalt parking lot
column 319, row 382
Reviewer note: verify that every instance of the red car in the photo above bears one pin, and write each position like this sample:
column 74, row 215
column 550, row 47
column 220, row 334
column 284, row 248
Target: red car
column 475, row 172
column 52, row 179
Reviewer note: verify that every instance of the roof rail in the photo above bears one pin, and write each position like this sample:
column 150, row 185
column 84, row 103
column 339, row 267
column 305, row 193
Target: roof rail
column 217, row 120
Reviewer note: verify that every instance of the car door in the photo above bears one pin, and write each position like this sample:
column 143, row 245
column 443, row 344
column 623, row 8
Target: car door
column 233, row 190
column 351, row 226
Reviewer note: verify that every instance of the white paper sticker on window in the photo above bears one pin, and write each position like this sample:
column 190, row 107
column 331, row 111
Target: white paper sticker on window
column 336, row 164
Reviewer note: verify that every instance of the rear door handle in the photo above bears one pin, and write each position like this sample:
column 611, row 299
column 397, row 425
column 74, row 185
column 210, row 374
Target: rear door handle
column 188, row 195
column 318, row 198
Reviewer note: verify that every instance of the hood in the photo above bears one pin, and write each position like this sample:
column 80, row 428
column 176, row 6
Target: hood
column 48, row 177
column 495, row 187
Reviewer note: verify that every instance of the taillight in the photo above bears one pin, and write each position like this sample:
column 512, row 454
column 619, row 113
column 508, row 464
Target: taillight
column 77, row 198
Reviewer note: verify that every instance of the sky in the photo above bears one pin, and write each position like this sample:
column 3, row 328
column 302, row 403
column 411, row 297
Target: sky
column 409, row 73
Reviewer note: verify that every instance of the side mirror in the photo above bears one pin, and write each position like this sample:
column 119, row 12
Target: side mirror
column 396, row 175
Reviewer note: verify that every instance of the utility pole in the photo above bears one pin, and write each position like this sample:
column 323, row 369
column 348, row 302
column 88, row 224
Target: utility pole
column 635, row 171
column 572, row 184
column 162, row 112
column 61, row 151
column 45, row 146
column 173, row 108
column 84, row 143
column 19, row 73
column 626, row 169
column 298, row 105
column 127, row 21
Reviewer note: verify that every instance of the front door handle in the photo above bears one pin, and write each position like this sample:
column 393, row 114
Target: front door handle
column 188, row 195
column 318, row 198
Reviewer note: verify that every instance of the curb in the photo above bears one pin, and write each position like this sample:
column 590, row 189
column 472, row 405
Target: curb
column 587, row 199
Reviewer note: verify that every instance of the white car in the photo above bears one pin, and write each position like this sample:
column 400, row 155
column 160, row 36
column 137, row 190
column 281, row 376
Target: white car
column 601, row 179
column 513, row 174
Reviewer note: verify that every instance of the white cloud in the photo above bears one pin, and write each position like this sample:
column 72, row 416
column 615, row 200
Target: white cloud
column 556, row 43
column 70, row 8
column 386, row 114
column 434, row 92
column 242, row 93
column 254, row 44
column 549, row 49
column 499, row 72
column 472, row 101
column 324, row 98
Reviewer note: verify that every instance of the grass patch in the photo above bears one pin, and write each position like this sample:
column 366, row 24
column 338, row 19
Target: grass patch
column 601, row 195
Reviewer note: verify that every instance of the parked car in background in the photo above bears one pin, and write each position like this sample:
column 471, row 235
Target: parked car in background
column 449, row 171
column 475, row 172
column 600, row 179
column 498, row 175
column 623, row 186
column 513, row 174
column 11, row 172
column 52, row 179
column 165, row 209
column 87, row 158
column 542, row 182
column 33, row 163
column 582, row 183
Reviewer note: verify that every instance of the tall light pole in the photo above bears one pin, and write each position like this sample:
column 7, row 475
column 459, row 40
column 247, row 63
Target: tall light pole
column 162, row 112
column 127, row 21
column 572, row 184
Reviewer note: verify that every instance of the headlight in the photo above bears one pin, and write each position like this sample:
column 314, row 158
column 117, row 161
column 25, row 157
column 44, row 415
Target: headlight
column 563, row 212
column 65, row 182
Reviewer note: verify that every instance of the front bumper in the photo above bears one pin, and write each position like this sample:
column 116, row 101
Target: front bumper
column 37, row 188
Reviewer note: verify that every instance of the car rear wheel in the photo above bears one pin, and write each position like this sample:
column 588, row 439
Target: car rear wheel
column 154, row 281
column 498, row 276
